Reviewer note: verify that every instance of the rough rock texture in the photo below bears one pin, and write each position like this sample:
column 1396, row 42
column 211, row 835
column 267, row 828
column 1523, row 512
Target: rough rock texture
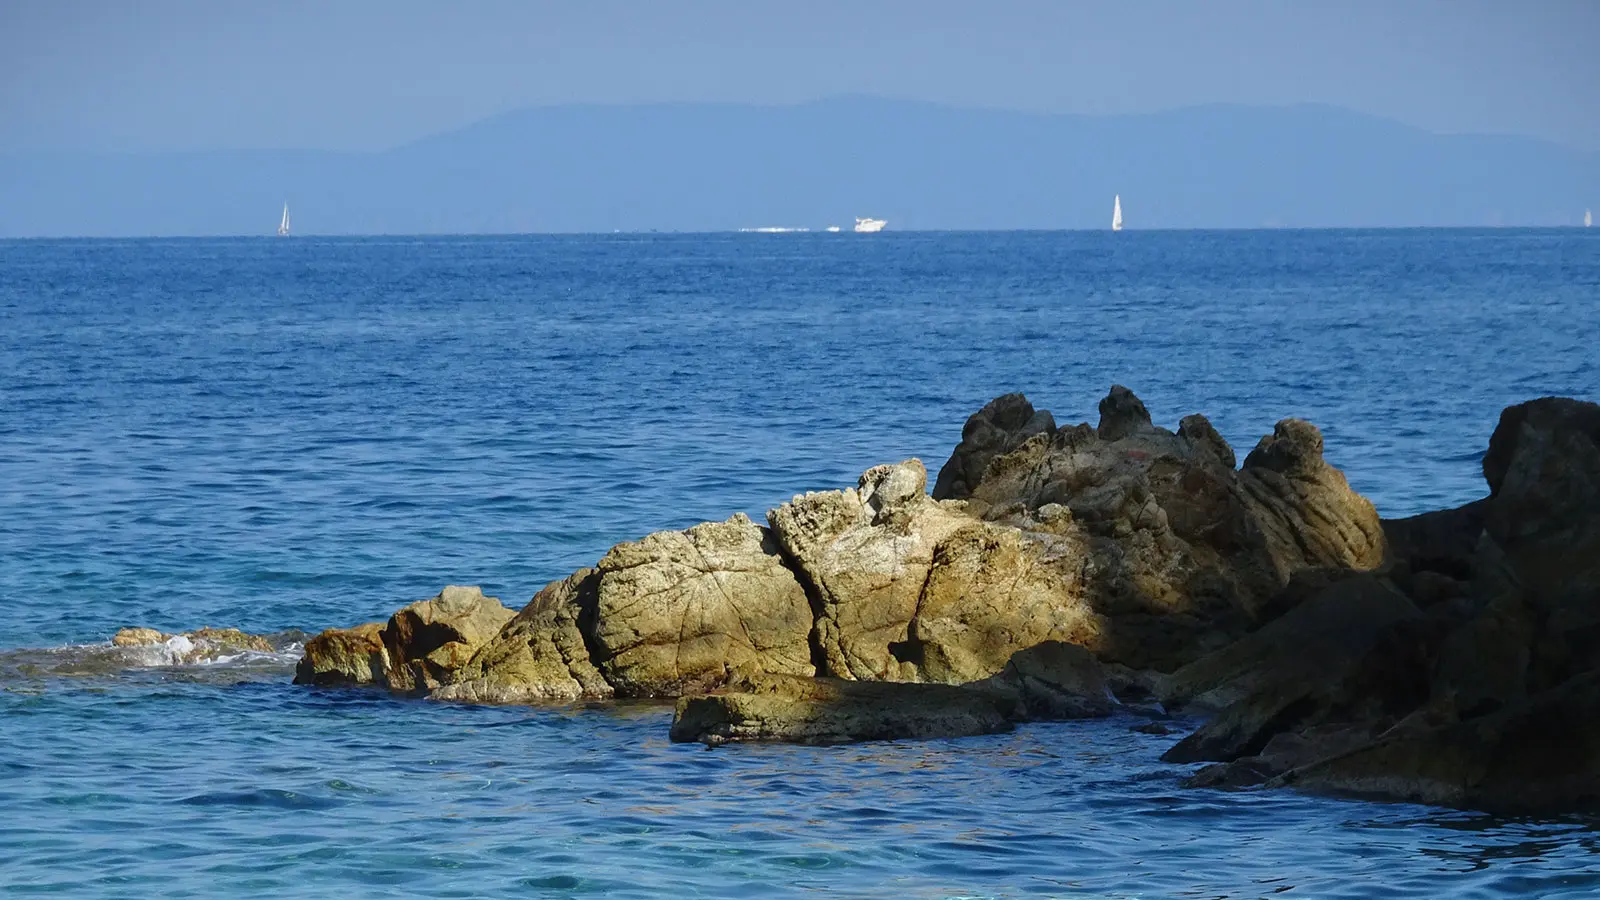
column 428, row 640
column 683, row 611
column 992, row 591
column 1050, row 681
column 1304, row 507
column 1486, row 693
column 912, row 589
column 344, row 656
column 866, row 552
column 138, row 637
column 833, row 711
column 1179, row 552
column 1000, row 427
column 540, row 656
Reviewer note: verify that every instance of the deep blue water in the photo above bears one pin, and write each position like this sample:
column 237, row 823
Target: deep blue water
column 304, row 433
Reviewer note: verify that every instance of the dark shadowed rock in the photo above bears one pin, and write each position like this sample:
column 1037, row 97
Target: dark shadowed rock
column 1541, row 757
column 1276, row 679
column 1000, row 427
column 833, row 711
column 683, row 611
column 1122, row 414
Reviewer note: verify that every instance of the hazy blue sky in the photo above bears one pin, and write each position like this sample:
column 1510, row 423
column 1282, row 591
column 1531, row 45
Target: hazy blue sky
column 367, row 74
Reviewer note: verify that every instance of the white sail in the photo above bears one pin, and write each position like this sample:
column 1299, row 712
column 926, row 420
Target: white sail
column 1588, row 219
column 1116, row 213
column 283, row 226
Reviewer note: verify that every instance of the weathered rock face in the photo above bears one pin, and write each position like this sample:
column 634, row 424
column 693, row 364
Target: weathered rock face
column 912, row 589
column 428, row 640
column 991, row 591
column 682, row 611
column 1000, row 427
column 540, row 656
column 1485, row 693
column 834, row 711
column 1180, row 553
column 867, row 552
column 345, row 656
column 1304, row 507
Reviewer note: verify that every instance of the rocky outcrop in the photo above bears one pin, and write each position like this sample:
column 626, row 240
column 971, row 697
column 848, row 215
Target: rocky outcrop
column 866, row 553
column 1050, row 681
column 427, row 641
column 1000, row 427
column 345, row 656
column 913, row 589
column 1483, row 693
column 419, row 647
column 683, row 611
column 540, row 656
column 1181, row 553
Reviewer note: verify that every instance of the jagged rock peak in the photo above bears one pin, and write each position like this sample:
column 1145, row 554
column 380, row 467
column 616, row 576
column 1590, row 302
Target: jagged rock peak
column 1000, row 427
column 1293, row 447
column 1121, row 414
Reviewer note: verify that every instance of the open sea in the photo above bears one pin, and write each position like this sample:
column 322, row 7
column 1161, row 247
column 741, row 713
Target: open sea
column 303, row 433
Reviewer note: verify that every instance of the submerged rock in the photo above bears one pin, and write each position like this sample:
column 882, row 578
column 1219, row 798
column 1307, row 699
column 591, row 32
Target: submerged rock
column 138, row 637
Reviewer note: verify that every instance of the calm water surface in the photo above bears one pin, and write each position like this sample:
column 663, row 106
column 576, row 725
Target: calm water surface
column 303, row 433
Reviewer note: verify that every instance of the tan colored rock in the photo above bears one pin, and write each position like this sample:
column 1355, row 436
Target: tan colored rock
column 867, row 552
column 833, row 711
column 682, row 611
column 344, row 656
column 212, row 643
column 138, row 637
column 1304, row 507
column 428, row 640
column 539, row 656
column 992, row 591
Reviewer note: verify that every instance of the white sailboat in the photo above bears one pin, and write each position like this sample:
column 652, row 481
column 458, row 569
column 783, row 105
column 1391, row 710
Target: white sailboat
column 283, row 226
column 1116, row 213
column 1588, row 219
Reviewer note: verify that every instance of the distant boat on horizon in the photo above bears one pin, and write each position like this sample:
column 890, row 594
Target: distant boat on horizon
column 1116, row 213
column 1588, row 219
column 283, row 225
column 833, row 228
column 869, row 226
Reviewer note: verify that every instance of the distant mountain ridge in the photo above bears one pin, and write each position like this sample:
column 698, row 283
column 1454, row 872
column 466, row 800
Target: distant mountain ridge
column 709, row 167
